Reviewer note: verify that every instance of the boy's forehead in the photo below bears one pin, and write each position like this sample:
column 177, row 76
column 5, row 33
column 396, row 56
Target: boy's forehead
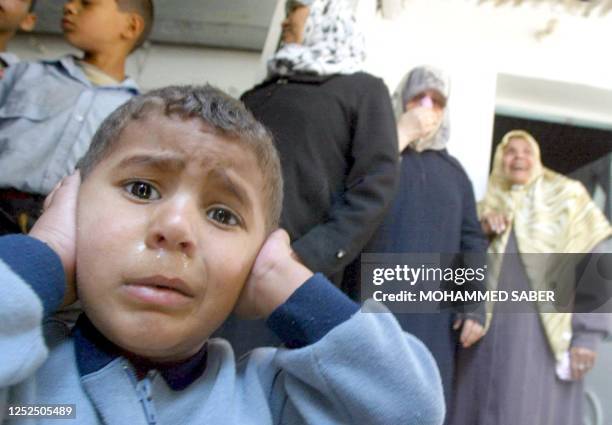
column 190, row 139
column 169, row 144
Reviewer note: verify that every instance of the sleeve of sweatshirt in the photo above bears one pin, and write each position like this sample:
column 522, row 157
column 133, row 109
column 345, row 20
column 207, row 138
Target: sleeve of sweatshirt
column 343, row 364
column 31, row 286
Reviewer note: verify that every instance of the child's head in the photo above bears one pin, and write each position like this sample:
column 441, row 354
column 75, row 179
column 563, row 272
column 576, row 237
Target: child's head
column 102, row 25
column 180, row 188
column 16, row 15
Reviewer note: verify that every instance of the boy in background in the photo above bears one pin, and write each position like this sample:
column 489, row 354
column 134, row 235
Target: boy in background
column 49, row 110
column 174, row 229
column 15, row 15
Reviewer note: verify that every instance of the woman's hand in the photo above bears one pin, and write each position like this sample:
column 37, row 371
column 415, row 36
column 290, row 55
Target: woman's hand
column 581, row 361
column 494, row 223
column 416, row 123
column 471, row 331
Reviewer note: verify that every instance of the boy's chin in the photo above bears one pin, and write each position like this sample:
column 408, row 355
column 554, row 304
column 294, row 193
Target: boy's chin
column 160, row 343
column 73, row 39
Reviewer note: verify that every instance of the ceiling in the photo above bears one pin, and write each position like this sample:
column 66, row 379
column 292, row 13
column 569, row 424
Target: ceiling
column 233, row 24
column 550, row 100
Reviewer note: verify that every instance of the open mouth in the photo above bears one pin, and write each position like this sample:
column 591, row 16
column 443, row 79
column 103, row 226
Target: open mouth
column 519, row 167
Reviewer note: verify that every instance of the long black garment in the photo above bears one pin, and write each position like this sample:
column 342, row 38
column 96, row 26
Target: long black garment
column 434, row 211
column 337, row 141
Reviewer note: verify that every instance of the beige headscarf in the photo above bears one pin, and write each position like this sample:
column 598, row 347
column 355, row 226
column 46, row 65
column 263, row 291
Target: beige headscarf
column 549, row 214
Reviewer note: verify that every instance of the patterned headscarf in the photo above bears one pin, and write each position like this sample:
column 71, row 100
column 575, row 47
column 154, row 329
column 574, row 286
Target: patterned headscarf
column 549, row 214
column 333, row 43
column 417, row 81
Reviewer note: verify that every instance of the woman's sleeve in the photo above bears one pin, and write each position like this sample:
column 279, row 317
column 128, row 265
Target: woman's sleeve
column 369, row 186
column 589, row 329
column 472, row 237
column 473, row 250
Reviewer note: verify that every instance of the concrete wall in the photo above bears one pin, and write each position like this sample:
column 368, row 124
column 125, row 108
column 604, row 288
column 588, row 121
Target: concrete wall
column 564, row 76
column 499, row 57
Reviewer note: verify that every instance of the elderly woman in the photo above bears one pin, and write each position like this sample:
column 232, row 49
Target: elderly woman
column 528, row 369
column 434, row 210
column 334, row 128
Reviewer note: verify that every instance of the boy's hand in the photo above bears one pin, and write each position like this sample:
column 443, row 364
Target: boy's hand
column 276, row 274
column 57, row 228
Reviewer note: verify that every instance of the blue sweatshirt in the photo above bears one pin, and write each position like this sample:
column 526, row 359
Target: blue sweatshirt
column 338, row 365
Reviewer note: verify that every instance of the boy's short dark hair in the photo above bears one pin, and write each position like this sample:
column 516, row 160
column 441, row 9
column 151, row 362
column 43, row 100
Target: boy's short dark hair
column 145, row 9
column 32, row 6
column 222, row 113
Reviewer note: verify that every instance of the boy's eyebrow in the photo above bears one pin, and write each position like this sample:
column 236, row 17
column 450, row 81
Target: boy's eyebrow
column 169, row 163
column 227, row 183
column 160, row 162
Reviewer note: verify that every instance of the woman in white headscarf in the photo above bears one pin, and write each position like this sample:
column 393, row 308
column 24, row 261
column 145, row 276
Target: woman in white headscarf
column 529, row 367
column 433, row 211
column 334, row 128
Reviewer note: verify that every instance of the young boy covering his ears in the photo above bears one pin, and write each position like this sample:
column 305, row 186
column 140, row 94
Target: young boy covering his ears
column 174, row 229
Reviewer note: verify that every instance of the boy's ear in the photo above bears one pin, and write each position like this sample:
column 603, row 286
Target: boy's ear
column 28, row 23
column 135, row 26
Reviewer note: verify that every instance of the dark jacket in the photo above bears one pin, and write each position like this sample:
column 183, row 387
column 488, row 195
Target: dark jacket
column 434, row 211
column 337, row 141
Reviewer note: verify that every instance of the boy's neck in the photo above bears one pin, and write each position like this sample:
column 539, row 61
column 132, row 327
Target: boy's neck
column 5, row 36
column 111, row 64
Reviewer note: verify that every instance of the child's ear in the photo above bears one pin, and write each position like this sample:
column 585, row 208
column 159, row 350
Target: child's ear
column 28, row 23
column 135, row 26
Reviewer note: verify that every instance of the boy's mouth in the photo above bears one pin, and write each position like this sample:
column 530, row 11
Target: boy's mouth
column 67, row 24
column 169, row 292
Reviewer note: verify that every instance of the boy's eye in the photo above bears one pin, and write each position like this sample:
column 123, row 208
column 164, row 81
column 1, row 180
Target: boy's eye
column 142, row 190
column 223, row 216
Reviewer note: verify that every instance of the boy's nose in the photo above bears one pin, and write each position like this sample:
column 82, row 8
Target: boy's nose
column 69, row 7
column 172, row 228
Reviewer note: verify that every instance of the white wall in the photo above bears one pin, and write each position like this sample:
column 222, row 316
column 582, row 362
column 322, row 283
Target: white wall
column 559, row 74
column 475, row 43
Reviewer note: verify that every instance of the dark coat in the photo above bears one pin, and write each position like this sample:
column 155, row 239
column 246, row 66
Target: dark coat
column 434, row 211
column 337, row 141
